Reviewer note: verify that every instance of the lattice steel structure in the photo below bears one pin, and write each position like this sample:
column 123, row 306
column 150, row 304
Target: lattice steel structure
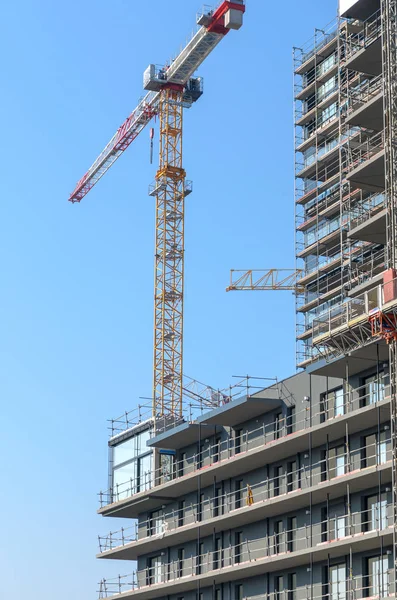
column 171, row 88
column 169, row 258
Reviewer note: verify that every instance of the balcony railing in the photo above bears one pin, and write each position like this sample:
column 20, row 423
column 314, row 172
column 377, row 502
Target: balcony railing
column 371, row 31
column 335, row 528
column 249, row 441
column 227, row 503
column 367, row 208
column 354, row 310
column 321, row 38
column 363, row 93
column 366, row 150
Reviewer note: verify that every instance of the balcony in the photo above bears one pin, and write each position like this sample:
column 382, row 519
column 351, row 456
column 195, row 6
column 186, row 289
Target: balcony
column 232, row 458
column 325, row 40
column 366, row 164
column 232, row 510
column 295, row 547
column 364, row 49
column 365, row 105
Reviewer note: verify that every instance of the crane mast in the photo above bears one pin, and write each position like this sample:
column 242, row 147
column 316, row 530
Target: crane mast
column 170, row 89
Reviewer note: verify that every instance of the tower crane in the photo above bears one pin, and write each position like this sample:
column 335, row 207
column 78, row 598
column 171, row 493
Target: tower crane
column 170, row 89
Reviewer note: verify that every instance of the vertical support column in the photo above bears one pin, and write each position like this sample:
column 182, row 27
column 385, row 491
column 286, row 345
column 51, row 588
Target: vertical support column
column 389, row 60
column 169, row 259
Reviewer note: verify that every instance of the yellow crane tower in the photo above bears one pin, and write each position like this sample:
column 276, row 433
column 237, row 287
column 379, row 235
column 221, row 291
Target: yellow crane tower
column 171, row 88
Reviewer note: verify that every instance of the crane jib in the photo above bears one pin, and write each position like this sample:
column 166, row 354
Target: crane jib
column 227, row 16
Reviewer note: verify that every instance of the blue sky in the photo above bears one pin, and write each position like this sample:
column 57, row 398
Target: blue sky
column 77, row 280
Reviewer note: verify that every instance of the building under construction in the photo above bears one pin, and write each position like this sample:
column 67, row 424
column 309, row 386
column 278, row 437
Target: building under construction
column 290, row 492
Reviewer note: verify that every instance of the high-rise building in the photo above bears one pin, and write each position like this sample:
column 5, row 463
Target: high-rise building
column 289, row 493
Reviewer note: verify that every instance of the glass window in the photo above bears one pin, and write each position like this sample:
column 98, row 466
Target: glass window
column 132, row 465
column 291, row 419
column 154, row 570
column 278, row 473
column 292, row 586
column 332, row 404
column 238, row 592
column 238, row 487
column 336, row 462
column 292, row 476
column 238, row 546
column 156, row 523
column 217, row 558
column 145, row 472
column 238, row 436
column 374, row 389
column 124, row 452
column 337, row 582
column 292, row 525
column 376, row 514
column 278, row 537
column 278, row 587
column 378, row 576
column 124, row 481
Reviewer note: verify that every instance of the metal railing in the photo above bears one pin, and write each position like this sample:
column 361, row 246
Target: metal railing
column 222, row 451
column 198, row 398
column 321, row 38
column 371, row 31
column 366, row 150
column 335, row 528
column 225, row 504
column 367, row 208
column 355, row 309
column 363, row 93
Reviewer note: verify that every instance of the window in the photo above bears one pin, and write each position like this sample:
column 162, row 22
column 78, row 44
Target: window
column 200, row 506
column 337, row 582
column 238, row 488
column 292, row 476
column 218, row 502
column 217, row 450
column 217, row 562
column 238, row 438
column 291, row 419
column 278, row 537
column 278, row 586
column 278, row 426
column 376, row 512
column 332, row 404
column 335, row 462
column 238, row 592
column 374, row 388
column 154, row 570
column 181, row 464
column 218, row 594
column 377, row 576
column 156, row 523
column 181, row 561
column 278, row 472
column 181, row 512
column 291, row 534
column 375, row 449
column 200, row 558
column 131, row 466
column 292, row 586
column 238, row 546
